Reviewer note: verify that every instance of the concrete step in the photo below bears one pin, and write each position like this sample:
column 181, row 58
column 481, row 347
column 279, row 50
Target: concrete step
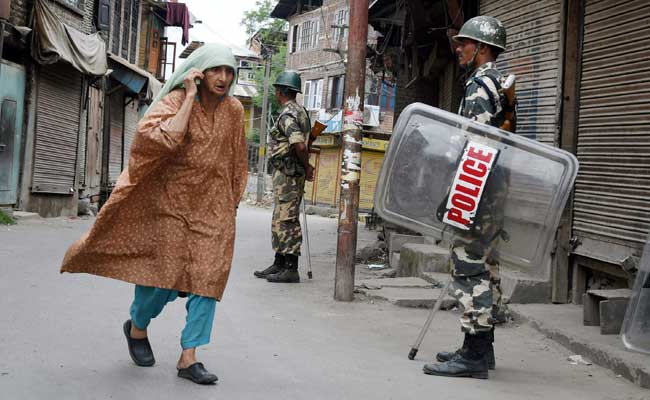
column 437, row 279
column 410, row 297
column 394, row 283
column 23, row 215
column 418, row 258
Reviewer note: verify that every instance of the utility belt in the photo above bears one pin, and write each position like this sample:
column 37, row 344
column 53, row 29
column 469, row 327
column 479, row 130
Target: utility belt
column 289, row 165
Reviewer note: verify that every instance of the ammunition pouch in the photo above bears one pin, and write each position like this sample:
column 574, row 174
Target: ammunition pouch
column 288, row 165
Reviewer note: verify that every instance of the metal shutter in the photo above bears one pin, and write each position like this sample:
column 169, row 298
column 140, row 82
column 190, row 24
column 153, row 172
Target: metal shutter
column 57, row 129
column 131, row 119
column 613, row 187
column 533, row 54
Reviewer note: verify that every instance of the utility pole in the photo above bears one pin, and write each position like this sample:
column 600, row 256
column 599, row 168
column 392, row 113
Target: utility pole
column 261, row 176
column 355, row 80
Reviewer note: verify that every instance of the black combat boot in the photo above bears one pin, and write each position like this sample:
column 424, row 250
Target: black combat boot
column 445, row 356
column 471, row 362
column 290, row 272
column 277, row 266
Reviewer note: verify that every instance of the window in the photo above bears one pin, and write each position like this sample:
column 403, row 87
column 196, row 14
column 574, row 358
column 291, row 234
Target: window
column 309, row 34
column 126, row 26
column 294, row 39
column 313, row 94
column 336, row 89
column 340, row 27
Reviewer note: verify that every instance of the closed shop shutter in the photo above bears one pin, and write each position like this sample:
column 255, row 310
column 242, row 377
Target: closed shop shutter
column 115, row 151
column 131, row 118
column 533, row 54
column 57, row 129
column 611, row 206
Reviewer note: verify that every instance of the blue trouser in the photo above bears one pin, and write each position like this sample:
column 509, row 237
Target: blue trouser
column 150, row 301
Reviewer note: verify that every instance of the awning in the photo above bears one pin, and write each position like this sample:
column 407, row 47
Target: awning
column 247, row 91
column 137, row 80
column 54, row 41
column 285, row 8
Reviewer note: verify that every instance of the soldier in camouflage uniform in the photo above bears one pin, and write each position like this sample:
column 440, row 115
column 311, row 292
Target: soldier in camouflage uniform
column 473, row 258
column 289, row 153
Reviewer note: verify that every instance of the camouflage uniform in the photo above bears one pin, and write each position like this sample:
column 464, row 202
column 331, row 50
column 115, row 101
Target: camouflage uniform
column 475, row 267
column 292, row 127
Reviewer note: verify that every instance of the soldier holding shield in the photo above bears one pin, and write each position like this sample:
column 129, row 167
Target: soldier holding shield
column 473, row 258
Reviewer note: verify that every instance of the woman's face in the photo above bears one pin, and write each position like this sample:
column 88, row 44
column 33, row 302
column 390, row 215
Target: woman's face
column 218, row 79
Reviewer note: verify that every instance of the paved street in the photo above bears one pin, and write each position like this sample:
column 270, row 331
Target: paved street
column 61, row 335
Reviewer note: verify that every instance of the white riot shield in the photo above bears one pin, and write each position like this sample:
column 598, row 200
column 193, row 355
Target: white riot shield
column 453, row 178
column 636, row 326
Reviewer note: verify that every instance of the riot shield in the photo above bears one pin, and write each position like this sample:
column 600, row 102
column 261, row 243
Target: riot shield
column 636, row 326
column 455, row 179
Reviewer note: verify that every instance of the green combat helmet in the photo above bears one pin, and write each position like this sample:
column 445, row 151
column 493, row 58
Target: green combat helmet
column 484, row 29
column 289, row 79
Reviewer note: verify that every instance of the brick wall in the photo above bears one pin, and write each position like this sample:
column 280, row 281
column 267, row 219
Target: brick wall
column 81, row 19
column 316, row 63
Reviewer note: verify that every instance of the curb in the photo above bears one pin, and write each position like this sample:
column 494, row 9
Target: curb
column 636, row 373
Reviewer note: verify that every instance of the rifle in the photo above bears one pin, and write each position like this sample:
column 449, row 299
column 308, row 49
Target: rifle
column 316, row 130
column 508, row 91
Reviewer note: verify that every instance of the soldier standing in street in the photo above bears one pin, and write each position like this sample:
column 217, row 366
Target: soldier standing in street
column 474, row 261
column 290, row 158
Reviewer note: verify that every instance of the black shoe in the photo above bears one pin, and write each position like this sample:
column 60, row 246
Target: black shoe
column 285, row 276
column 197, row 374
column 459, row 366
column 139, row 349
column 277, row 266
column 445, row 356
column 289, row 273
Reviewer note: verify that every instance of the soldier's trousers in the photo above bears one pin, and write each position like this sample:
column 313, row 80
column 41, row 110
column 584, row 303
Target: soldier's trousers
column 475, row 285
column 286, row 236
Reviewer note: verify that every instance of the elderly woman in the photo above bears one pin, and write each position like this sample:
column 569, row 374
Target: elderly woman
column 169, row 225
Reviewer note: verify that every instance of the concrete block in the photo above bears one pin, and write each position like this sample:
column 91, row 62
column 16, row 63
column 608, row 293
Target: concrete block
column 418, row 258
column 612, row 313
column 397, row 240
column 605, row 308
column 393, row 261
column 430, row 240
column 520, row 288
column 414, row 297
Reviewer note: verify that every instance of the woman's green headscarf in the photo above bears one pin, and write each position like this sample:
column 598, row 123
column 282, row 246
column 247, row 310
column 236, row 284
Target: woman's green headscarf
column 207, row 56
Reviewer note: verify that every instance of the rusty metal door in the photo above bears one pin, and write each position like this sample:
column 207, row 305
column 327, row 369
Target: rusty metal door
column 115, row 153
column 93, row 167
column 12, row 99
